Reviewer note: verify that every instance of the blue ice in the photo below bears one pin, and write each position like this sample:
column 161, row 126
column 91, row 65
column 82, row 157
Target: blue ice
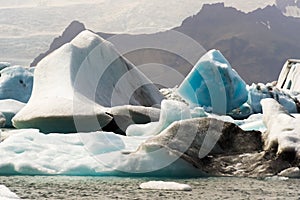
column 213, row 83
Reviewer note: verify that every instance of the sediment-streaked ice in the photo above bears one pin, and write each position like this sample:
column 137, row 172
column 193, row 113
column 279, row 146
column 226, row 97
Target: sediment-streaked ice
column 283, row 129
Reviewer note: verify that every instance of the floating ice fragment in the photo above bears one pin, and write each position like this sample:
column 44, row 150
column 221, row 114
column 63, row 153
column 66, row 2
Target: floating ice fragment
column 6, row 194
column 162, row 185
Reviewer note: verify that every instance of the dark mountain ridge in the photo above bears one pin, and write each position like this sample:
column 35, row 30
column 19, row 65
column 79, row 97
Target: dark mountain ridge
column 256, row 43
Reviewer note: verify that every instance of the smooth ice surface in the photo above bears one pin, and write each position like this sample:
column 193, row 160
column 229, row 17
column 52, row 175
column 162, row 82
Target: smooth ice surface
column 213, row 83
column 171, row 111
column 30, row 152
column 6, row 194
column 260, row 91
column 80, row 79
column 163, row 185
column 9, row 108
column 283, row 129
column 254, row 122
column 16, row 83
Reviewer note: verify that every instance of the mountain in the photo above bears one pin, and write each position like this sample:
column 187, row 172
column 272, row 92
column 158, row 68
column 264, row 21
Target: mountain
column 256, row 43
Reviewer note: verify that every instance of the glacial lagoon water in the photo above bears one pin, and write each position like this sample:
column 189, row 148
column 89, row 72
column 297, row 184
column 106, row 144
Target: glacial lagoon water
column 66, row 187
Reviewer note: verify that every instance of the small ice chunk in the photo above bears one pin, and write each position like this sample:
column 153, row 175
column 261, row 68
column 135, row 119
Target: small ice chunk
column 293, row 172
column 276, row 178
column 162, row 185
column 6, row 194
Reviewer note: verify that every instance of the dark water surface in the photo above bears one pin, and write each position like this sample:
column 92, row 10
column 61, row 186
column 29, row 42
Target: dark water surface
column 63, row 187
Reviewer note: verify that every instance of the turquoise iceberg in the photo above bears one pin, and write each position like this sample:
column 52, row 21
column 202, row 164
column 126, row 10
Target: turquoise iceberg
column 213, row 83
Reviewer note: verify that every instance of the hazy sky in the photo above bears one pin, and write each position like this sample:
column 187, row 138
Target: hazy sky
column 31, row 25
column 245, row 5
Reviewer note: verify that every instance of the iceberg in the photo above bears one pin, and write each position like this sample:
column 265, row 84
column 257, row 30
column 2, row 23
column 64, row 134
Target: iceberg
column 283, row 129
column 213, row 83
column 76, row 85
column 16, row 83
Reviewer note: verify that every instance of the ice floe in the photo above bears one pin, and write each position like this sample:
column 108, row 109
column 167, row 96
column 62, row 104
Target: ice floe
column 97, row 153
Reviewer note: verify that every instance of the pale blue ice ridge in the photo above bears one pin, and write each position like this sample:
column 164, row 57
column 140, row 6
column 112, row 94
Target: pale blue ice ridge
column 213, row 83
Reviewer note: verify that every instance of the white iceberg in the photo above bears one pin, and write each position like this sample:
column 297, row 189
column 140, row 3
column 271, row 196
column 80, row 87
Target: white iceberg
column 213, row 83
column 283, row 129
column 16, row 83
column 76, row 84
